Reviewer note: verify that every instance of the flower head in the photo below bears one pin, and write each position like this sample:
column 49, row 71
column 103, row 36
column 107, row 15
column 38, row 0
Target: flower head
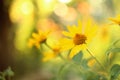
column 38, row 38
column 91, row 62
column 49, row 55
column 77, row 37
column 52, row 49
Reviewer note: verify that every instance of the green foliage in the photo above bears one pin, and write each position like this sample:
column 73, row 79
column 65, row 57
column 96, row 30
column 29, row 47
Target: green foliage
column 6, row 73
column 78, row 57
column 113, row 53
column 9, row 72
column 113, row 50
column 114, row 72
column 80, row 69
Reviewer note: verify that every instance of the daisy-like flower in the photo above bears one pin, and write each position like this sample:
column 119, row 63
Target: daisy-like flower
column 38, row 38
column 51, row 54
column 48, row 56
column 116, row 20
column 77, row 37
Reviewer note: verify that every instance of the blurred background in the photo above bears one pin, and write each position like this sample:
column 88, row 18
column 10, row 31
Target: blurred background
column 20, row 18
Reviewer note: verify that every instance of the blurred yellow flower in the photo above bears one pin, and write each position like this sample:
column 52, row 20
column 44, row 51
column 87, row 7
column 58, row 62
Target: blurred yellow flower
column 104, row 33
column 38, row 38
column 48, row 56
column 116, row 20
column 78, row 36
column 91, row 62
column 51, row 54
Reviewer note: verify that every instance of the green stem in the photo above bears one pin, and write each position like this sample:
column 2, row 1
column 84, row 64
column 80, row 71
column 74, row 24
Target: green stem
column 66, row 66
column 69, row 54
column 47, row 45
column 95, row 58
column 61, row 70
column 61, row 56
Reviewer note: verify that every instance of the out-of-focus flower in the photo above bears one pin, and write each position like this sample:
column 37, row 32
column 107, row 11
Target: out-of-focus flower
column 38, row 38
column 51, row 54
column 48, row 56
column 91, row 62
column 77, row 37
column 105, row 34
column 116, row 20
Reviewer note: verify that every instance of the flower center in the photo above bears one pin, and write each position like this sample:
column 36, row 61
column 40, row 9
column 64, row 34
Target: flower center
column 79, row 39
column 42, row 39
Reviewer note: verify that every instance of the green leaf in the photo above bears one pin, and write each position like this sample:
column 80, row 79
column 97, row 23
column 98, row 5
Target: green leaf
column 115, row 71
column 78, row 57
column 96, row 76
column 114, row 50
column 117, row 43
column 62, row 71
column 9, row 72
column 84, row 63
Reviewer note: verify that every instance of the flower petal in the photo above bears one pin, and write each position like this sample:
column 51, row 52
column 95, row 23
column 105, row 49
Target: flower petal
column 80, row 27
column 67, row 34
column 31, row 42
column 48, row 56
column 90, row 30
column 66, row 44
column 35, row 36
column 74, row 51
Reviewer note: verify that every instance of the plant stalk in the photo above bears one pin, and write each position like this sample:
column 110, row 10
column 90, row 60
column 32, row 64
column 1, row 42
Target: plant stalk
column 95, row 58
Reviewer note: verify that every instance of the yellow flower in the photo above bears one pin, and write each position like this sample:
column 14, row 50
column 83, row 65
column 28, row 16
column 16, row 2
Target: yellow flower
column 77, row 37
column 91, row 62
column 104, row 34
column 52, row 51
column 51, row 54
column 48, row 56
column 38, row 38
column 116, row 20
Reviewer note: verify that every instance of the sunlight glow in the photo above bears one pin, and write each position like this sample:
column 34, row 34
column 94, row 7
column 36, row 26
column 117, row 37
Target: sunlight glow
column 45, row 7
column 65, row 1
column 48, row 1
column 71, row 14
column 61, row 10
column 21, row 9
column 26, row 8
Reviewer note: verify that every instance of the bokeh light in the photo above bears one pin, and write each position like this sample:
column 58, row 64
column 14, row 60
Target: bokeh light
column 45, row 7
column 61, row 9
column 65, row 1
column 26, row 8
column 71, row 15
column 21, row 9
